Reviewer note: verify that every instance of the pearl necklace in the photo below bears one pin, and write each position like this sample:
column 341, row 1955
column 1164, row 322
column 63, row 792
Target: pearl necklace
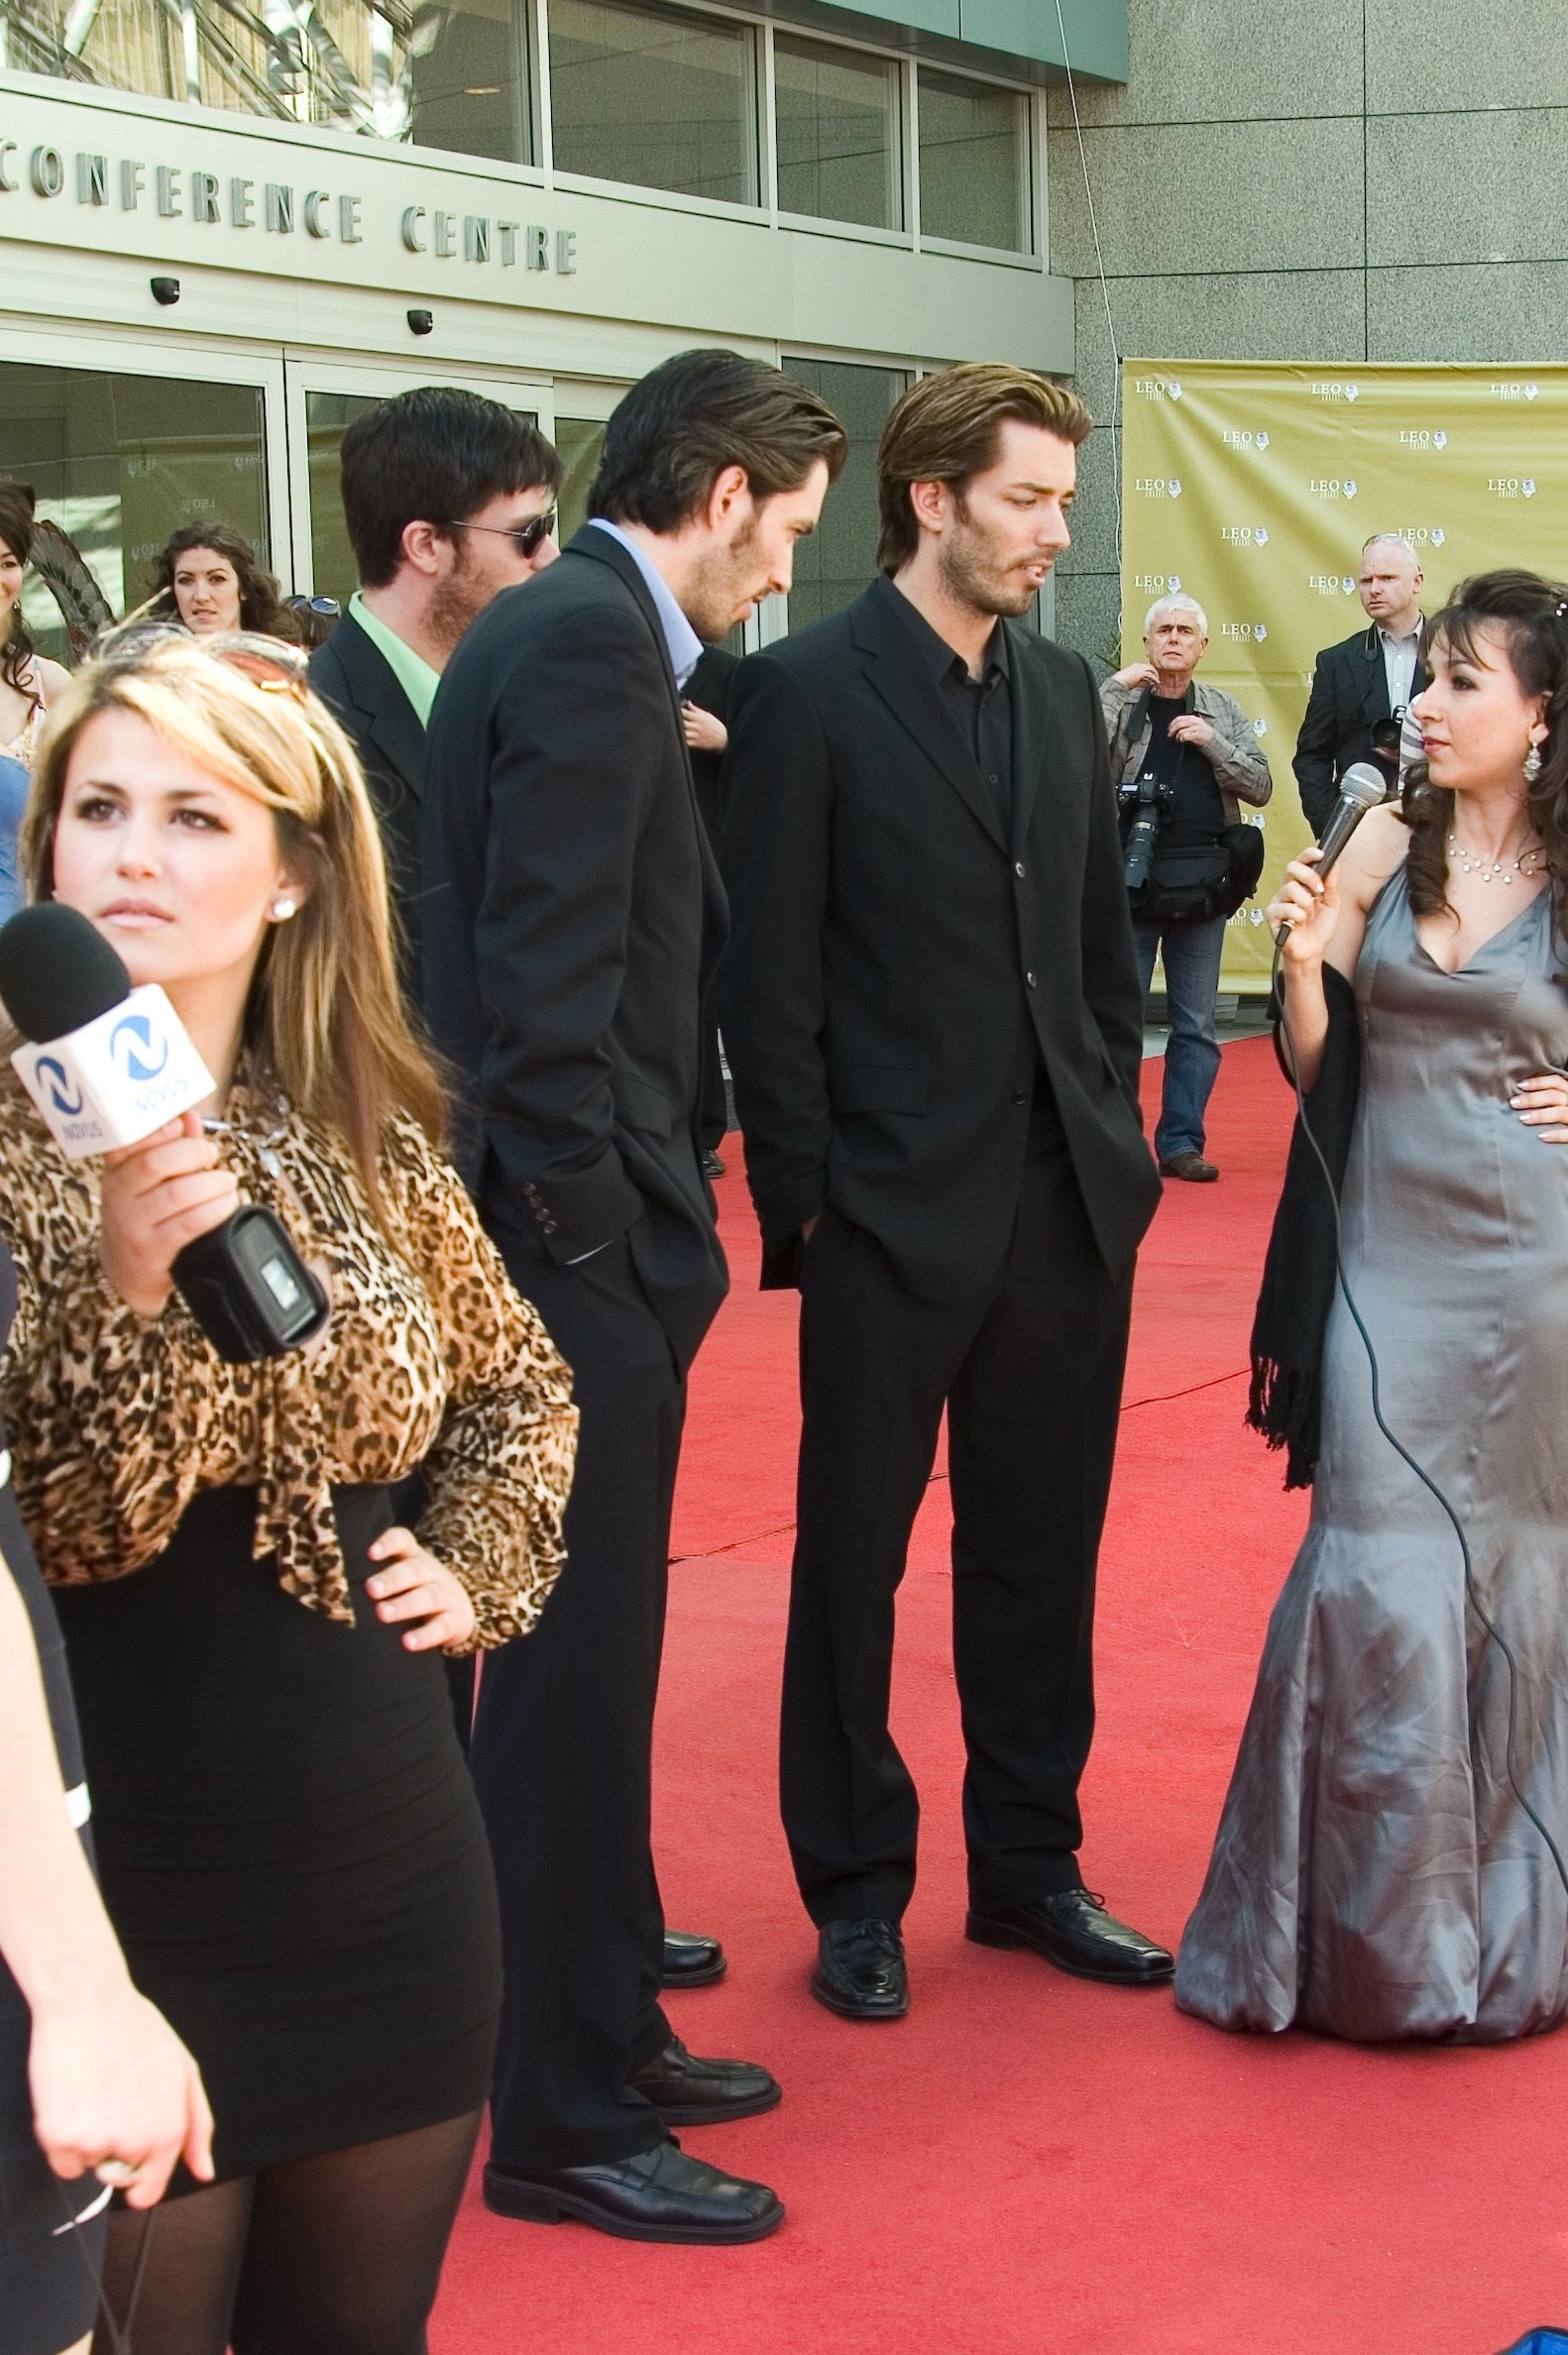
column 1528, row 862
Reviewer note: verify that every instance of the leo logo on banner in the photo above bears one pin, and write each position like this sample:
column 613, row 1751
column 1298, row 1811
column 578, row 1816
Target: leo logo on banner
column 1254, row 484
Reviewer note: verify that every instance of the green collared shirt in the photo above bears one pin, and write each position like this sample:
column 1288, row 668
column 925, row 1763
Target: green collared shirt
column 411, row 670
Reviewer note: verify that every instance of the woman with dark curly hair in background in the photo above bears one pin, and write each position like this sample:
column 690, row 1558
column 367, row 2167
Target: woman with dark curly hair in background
column 209, row 577
column 28, row 683
column 1378, row 1874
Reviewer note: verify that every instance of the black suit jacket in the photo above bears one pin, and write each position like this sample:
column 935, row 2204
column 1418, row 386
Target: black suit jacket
column 571, row 908
column 1350, row 692
column 899, row 969
column 359, row 686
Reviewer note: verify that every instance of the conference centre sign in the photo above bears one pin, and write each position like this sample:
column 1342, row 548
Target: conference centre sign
column 1253, row 488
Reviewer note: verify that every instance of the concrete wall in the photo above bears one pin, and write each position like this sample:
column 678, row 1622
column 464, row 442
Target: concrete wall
column 1310, row 179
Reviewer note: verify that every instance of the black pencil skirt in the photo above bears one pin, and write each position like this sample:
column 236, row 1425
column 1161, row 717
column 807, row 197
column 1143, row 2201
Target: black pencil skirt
column 288, row 1841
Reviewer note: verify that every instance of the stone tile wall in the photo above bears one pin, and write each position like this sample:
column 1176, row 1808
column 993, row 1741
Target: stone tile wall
column 1308, row 179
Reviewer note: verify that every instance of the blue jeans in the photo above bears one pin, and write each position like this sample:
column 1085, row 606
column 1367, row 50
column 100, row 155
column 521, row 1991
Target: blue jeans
column 1190, row 953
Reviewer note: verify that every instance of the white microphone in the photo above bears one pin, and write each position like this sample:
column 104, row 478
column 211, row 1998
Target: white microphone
column 105, row 1063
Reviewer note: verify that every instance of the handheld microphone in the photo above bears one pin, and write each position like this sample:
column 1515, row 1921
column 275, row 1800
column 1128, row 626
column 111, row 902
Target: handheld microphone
column 106, row 1066
column 1361, row 788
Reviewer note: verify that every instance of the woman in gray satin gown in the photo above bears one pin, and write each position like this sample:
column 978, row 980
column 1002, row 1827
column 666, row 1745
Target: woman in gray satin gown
column 1375, row 1875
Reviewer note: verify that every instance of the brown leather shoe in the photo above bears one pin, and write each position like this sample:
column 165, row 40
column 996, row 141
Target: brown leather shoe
column 1190, row 1166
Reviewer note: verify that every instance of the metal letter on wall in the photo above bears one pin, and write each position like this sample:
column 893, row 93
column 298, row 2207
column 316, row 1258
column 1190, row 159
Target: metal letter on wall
column 279, row 207
column 92, row 180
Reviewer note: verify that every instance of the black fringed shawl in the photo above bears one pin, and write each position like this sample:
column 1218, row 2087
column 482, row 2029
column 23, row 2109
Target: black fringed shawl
column 1299, row 1274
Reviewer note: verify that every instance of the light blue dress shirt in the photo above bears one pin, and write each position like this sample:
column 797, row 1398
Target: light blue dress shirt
column 680, row 638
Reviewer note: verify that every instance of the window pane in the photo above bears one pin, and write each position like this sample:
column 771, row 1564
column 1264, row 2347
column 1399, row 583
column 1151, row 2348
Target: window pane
column 838, row 134
column 119, row 461
column 581, row 442
column 973, row 157
column 839, row 558
column 448, row 77
column 653, row 97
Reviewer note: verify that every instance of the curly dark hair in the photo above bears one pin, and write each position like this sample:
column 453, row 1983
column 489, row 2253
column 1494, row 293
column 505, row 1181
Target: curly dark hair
column 1531, row 614
column 261, row 600
column 18, row 530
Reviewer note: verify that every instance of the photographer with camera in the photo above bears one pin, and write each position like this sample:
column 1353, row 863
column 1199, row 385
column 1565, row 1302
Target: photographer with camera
column 1183, row 759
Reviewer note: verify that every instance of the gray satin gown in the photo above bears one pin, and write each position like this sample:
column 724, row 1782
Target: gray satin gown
column 1374, row 1876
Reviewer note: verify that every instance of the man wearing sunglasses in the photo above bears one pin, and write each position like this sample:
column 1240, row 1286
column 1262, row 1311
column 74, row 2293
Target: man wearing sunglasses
column 448, row 498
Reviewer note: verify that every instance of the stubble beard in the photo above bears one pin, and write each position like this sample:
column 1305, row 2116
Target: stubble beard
column 971, row 575
column 717, row 597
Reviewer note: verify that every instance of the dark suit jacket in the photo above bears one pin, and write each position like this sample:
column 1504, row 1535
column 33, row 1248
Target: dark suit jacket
column 572, row 906
column 359, row 687
column 1350, row 691
column 899, row 971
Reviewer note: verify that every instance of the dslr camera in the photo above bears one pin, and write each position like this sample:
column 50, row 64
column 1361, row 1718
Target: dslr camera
column 1145, row 804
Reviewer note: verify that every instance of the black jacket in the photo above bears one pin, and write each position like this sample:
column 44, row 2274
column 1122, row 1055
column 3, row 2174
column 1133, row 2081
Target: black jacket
column 899, row 972
column 571, row 908
column 1350, row 692
column 360, row 688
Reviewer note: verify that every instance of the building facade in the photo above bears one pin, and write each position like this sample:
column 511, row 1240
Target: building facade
column 225, row 225
column 1330, row 180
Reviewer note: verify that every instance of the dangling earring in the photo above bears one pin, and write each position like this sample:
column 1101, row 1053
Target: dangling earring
column 283, row 906
column 1532, row 762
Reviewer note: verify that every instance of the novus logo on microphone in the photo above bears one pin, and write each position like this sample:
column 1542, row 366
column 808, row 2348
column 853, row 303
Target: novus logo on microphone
column 63, row 1094
column 139, row 1050
column 115, row 1079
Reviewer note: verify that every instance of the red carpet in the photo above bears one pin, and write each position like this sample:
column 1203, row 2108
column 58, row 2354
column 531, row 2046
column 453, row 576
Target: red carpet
column 1028, row 2165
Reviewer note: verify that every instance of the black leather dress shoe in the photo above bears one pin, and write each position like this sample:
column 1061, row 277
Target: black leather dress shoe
column 692, row 1961
column 695, row 2092
column 659, row 2196
column 1073, row 1931
column 861, row 1970
column 712, row 1165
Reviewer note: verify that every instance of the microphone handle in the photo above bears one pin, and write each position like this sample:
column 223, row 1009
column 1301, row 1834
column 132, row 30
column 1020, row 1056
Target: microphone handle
column 1347, row 817
column 248, row 1287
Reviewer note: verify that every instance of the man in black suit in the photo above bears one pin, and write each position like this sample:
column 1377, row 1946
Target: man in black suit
column 933, row 1017
column 573, row 909
column 448, row 498
column 1373, row 676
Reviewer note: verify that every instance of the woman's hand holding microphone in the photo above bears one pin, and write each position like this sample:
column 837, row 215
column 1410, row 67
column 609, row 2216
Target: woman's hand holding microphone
column 157, row 1196
column 1303, row 914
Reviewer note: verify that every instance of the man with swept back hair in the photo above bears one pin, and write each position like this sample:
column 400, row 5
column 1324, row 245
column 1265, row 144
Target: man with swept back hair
column 934, row 1021
column 573, row 912
column 1369, row 680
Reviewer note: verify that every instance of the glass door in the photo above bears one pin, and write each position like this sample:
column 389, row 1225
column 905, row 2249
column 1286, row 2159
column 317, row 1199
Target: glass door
column 323, row 399
column 121, row 443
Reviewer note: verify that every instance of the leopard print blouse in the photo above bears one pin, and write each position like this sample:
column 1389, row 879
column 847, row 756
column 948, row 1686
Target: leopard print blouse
column 429, row 1358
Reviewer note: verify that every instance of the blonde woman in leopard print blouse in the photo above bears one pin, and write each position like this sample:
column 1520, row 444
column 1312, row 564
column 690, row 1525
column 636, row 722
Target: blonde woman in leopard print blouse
column 289, row 1844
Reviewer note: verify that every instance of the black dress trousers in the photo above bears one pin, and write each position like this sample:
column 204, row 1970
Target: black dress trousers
column 562, row 1740
column 1030, row 1372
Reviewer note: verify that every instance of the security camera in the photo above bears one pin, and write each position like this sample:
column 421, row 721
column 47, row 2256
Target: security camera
column 165, row 290
column 421, row 322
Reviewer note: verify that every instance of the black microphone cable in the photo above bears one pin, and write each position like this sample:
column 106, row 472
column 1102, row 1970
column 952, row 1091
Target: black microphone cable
column 1494, row 1633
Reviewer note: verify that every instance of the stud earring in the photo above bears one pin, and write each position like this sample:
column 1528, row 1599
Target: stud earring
column 284, row 907
column 1532, row 763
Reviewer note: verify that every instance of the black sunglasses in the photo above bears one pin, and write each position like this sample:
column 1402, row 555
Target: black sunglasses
column 527, row 538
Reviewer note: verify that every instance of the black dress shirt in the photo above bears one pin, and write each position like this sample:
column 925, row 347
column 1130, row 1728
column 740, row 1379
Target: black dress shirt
column 983, row 707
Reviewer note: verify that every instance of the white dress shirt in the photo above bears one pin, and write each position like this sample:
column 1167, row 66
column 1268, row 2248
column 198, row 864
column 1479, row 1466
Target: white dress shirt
column 1400, row 658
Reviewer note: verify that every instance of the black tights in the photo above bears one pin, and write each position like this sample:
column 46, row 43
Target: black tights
column 338, row 2254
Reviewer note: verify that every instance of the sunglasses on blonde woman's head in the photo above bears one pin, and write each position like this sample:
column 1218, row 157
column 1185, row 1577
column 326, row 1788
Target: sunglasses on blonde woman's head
column 269, row 663
column 527, row 538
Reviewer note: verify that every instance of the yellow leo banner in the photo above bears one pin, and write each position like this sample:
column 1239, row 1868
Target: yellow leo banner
column 1254, row 486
